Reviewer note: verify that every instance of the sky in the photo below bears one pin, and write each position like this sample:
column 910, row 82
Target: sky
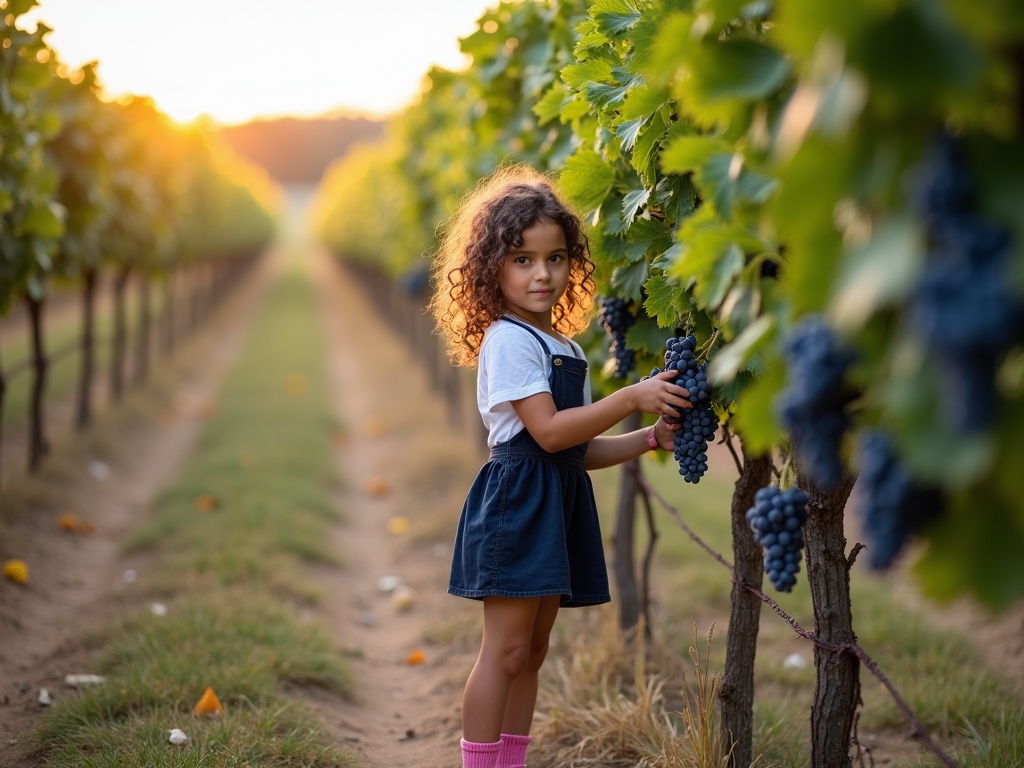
column 235, row 60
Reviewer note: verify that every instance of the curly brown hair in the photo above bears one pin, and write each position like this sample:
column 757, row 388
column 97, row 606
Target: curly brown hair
column 488, row 225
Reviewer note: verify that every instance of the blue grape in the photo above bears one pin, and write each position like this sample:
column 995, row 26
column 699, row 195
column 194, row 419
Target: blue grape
column 777, row 520
column 616, row 317
column 699, row 422
column 892, row 504
column 812, row 406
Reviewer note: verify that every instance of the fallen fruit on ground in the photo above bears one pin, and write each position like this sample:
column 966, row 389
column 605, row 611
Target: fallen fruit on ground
column 71, row 523
column 209, row 704
column 376, row 486
column 16, row 570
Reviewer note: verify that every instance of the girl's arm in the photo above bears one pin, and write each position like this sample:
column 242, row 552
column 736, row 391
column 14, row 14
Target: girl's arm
column 556, row 430
column 609, row 450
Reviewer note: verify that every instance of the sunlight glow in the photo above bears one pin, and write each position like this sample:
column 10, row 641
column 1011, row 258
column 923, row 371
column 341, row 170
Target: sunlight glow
column 237, row 59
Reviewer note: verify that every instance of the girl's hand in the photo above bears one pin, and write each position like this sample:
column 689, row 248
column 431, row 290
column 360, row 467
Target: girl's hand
column 659, row 396
column 665, row 433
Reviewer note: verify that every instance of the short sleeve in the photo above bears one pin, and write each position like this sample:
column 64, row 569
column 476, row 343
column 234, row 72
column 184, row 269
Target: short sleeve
column 514, row 364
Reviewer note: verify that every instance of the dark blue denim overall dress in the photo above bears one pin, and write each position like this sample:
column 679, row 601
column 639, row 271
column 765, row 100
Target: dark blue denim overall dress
column 529, row 526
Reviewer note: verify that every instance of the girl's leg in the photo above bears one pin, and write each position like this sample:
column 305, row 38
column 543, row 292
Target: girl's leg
column 504, row 653
column 522, row 699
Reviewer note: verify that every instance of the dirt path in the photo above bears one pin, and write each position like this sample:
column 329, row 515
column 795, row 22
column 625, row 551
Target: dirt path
column 397, row 439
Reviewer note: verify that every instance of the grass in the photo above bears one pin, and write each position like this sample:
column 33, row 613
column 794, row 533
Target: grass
column 231, row 538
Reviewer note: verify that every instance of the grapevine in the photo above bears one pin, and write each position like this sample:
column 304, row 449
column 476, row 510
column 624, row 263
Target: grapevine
column 777, row 519
column 813, row 404
column 616, row 317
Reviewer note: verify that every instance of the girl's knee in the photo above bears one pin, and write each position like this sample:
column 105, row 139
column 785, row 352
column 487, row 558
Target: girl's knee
column 510, row 657
column 538, row 652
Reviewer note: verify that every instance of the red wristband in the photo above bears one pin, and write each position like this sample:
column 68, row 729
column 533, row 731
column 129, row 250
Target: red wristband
column 652, row 441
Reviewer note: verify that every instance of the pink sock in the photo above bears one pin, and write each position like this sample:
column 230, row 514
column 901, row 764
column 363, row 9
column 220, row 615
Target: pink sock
column 477, row 755
column 513, row 751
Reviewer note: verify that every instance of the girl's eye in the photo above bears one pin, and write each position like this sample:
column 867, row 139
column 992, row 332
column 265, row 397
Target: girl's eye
column 522, row 260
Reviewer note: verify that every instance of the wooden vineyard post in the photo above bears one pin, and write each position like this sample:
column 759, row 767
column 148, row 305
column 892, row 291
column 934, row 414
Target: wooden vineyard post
column 837, row 679
column 736, row 695
column 624, row 566
column 37, row 445
column 87, row 347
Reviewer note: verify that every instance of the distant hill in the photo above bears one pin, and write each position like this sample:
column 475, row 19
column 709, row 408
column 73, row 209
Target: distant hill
column 297, row 150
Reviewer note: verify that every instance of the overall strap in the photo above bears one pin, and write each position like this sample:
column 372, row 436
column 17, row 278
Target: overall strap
column 538, row 336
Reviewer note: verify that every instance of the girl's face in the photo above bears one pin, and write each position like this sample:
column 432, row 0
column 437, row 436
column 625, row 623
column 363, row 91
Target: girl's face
column 535, row 275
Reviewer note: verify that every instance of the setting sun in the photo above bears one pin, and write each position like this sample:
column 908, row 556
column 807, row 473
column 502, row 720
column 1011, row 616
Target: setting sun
column 237, row 59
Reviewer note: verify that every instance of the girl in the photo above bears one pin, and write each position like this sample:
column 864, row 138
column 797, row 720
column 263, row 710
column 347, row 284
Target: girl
column 512, row 284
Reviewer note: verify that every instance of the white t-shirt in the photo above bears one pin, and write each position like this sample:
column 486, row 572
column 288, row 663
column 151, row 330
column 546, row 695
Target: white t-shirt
column 512, row 366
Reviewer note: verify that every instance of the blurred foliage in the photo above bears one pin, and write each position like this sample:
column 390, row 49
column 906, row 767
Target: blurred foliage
column 87, row 182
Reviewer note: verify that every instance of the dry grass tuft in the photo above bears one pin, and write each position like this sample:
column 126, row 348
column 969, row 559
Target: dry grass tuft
column 605, row 707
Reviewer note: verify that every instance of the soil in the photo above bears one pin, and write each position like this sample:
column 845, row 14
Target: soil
column 399, row 455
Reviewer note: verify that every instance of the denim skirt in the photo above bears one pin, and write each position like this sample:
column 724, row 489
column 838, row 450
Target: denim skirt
column 529, row 528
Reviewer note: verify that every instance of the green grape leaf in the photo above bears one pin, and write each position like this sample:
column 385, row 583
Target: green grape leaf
column 729, row 183
column 646, row 335
column 668, row 258
column 604, row 95
column 632, row 203
column 587, row 179
column 549, row 106
column 689, row 153
column 643, row 101
column 593, row 70
column 614, row 16
column 670, row 48
column 735, row 69
column 754, row 417
column 591, row 36
column 663, row 297
column 713, row 285
column 630, row 279
column 726, row 365
column 628, row 131
column 574, row 109
column 645, row 148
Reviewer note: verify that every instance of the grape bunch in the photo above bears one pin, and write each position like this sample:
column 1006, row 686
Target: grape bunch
column 812, row 406
column 698, row 422
column 777, row 519
column 617, row 318
column 893, row 505
column 963, row 306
